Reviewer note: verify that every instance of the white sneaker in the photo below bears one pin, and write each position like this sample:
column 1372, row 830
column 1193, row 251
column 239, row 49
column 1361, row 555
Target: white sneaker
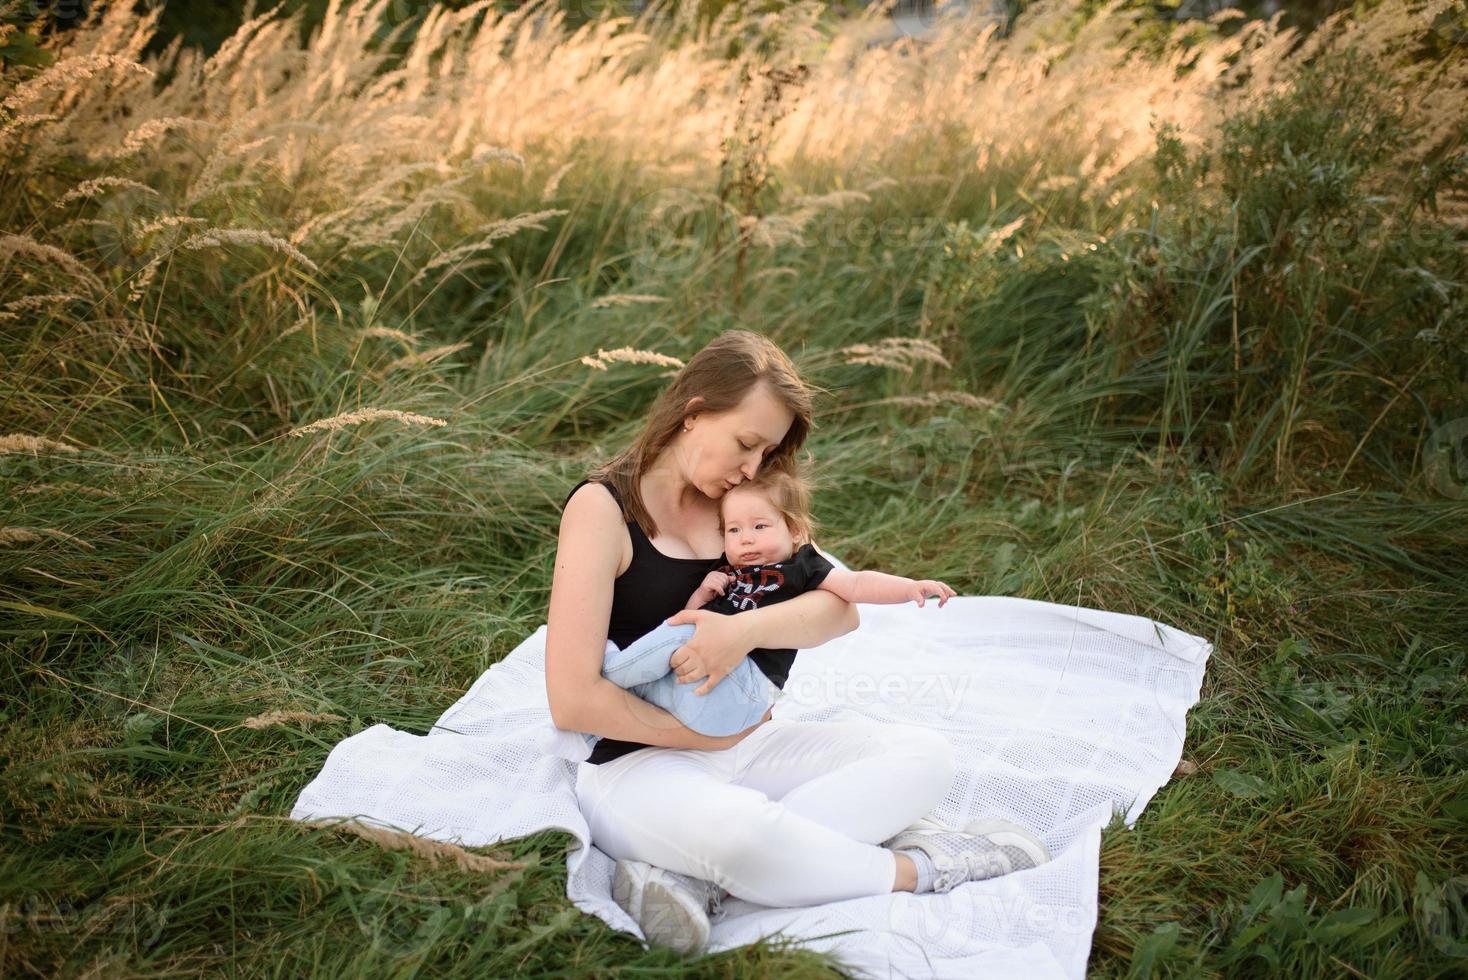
column 672, row 909
column 986, row 847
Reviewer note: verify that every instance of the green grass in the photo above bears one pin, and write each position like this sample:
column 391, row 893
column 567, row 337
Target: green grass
column 1209, row 411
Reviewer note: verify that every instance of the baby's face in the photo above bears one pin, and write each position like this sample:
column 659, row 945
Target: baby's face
column 754, row 531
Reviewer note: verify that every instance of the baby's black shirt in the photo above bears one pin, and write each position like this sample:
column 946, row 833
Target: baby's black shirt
column 757, row 586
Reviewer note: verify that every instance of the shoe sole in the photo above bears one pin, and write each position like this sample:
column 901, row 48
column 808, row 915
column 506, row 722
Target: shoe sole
column 662, row 913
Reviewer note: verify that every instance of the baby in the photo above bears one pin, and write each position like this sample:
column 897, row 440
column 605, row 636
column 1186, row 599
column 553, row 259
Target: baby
column 768, row 558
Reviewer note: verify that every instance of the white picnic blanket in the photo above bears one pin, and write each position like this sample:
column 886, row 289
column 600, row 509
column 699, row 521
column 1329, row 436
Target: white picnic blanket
column 1061, row 715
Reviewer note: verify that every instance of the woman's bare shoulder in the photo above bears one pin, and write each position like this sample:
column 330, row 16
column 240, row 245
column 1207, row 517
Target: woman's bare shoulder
column 594, row 497
column 592, row 522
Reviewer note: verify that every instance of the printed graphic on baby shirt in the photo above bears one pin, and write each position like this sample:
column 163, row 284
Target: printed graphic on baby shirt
column 756, row 586
column 752, row 584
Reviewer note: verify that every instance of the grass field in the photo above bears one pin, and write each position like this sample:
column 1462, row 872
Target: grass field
column 1166, row 320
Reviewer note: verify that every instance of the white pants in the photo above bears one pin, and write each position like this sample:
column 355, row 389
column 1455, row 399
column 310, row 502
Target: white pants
column 791, row 815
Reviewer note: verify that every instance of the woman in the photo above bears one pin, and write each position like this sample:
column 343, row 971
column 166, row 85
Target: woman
column 786, row 812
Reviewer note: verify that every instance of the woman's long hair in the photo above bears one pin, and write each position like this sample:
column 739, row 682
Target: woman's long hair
column 720, row 374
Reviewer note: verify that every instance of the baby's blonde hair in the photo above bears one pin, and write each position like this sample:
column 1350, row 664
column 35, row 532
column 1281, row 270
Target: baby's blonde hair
column 789, row 492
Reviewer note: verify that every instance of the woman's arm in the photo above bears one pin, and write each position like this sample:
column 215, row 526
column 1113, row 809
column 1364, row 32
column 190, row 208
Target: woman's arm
column 808, row 620
column 588, row 552
column 806, row 626
column 719, row 642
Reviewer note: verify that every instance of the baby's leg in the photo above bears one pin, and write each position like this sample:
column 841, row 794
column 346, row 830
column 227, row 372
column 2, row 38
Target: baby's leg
column 646, row 658
column 738, row 701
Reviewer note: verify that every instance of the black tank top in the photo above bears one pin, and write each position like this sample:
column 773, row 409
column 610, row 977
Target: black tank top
column 653, row 587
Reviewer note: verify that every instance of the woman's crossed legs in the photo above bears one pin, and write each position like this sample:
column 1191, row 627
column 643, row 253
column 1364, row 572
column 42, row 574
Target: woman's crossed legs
column 791, row 815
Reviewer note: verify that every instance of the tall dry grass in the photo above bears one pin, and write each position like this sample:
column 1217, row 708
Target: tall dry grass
column 344, row 152
column 490, row 124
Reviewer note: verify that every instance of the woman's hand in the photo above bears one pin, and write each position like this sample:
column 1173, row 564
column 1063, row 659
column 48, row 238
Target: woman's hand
column 718, row 643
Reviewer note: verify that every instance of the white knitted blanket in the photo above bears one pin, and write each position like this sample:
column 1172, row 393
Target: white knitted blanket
column 1061, row 715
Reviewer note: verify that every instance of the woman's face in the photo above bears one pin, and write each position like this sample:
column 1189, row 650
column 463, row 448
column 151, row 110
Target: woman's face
column 719, row 450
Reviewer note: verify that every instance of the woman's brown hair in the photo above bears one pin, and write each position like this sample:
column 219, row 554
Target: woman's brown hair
column 719, row 375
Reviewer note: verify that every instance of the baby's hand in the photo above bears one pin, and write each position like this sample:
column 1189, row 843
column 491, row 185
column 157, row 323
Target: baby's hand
column 923, row 588
column 714, row 584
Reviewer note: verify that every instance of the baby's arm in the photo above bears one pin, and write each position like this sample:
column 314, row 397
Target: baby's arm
column 879, row 587
column 714, row 584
